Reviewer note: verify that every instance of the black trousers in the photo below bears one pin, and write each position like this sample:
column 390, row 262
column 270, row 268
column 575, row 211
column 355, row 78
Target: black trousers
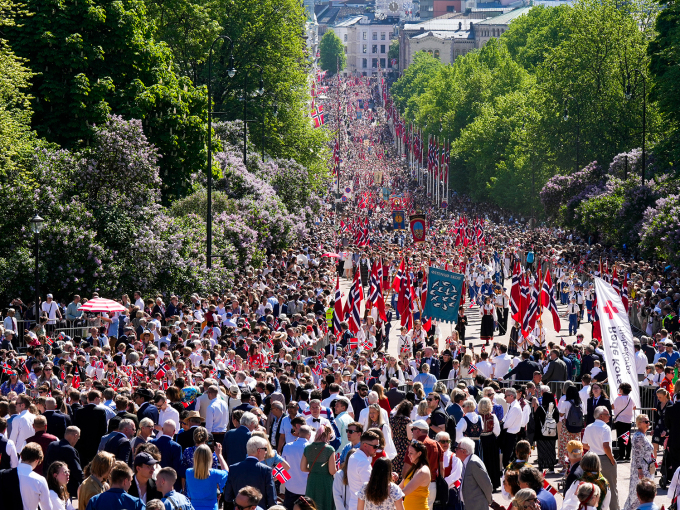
column 290, row 499
column 623, row 448
column 508, row 443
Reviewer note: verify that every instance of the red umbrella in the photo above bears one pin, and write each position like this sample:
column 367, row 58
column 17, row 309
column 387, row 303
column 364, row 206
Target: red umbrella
column 331, row 255
column 102, row 305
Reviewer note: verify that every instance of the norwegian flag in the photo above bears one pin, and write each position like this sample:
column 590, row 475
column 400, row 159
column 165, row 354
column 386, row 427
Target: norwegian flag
column 616, row 284
column 343, row 227
column 317, row 116
column 529, row 321
column 473, row 368
column 515, row 293
column 548, row 299
column 365, row 345
column 75, row 382
column 597, row 331
column 6, row 369
column 625, row 437
column 423, row 291
column 624, row 292
column 356, row 295
column 456, row 484
column 396, row 283
column 337, row 462
column 160, row 373
column 337, row 309
column 375, row 295
column 562, row 342
column 547, row 486
column 353, row 342
column 280, row 473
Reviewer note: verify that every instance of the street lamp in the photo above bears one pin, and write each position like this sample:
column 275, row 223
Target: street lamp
column 629, row 95
column 231, row 72
column 37, row 224
column 565, row 117
column 258, row 92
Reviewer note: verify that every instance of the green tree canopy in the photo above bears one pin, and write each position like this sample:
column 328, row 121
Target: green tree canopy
column 332, row 53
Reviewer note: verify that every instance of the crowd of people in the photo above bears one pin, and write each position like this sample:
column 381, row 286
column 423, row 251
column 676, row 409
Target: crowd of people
column 255, row 398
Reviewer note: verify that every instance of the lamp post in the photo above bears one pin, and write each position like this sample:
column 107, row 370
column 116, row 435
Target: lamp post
column 629, row 95
column 230, row 72
column 37, row 224
column 578, row 124
column 258, row 92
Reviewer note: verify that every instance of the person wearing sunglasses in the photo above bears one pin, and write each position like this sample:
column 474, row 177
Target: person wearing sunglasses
column 642, row 463
column 359, row 465
column 252, row 472
column 525, row 499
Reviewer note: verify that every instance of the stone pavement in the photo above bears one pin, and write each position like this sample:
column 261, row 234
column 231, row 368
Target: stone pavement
column 472, row 335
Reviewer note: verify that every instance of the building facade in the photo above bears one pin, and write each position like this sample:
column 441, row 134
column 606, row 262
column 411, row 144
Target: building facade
column 367, row 42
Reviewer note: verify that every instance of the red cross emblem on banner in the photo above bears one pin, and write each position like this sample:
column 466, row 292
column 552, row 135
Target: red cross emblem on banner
column 610, row 310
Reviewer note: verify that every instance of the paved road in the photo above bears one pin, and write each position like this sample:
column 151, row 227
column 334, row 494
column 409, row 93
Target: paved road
column 472, row 335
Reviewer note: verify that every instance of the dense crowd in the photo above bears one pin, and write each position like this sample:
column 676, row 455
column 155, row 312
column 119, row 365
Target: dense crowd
column 255, row 398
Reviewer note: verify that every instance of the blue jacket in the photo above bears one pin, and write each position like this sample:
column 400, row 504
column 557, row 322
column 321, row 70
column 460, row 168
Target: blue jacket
column 171, row 455
column 180, row 501
column 115, row 498
column 148, row 410
column 234, row 446
column 120, row 446
column 253, row 473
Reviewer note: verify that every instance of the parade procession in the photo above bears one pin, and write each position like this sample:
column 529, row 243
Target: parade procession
column 365, row 283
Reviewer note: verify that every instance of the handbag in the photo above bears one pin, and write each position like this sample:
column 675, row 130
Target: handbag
column 549, row 428
column 442, row 498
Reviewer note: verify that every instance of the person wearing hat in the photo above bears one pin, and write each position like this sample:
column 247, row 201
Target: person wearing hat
column 435, row 456
column 143, row 485
column 51, row 308
column 574, row 454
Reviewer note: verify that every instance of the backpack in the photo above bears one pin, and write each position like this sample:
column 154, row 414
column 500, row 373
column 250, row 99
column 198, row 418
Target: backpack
column 574, row 421
column 450, row 427
column 549, row 428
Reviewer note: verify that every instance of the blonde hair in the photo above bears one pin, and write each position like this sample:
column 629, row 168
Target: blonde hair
column 418, row 390
column 485, row 406
column 202, row 462
column 102, row 464
column 522, row 496
column 422, row 408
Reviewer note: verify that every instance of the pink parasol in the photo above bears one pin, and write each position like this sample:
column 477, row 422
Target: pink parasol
column 102, row 305
column 331, row 255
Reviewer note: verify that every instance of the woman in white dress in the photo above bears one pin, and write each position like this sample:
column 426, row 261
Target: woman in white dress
column 349, row 271
column 57, row 477
column 376, row 421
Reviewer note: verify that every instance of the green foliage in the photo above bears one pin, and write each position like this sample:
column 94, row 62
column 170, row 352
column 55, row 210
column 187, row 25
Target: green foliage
column 414, row 81
column 332, row 53
column 93, row 58
column 664, row 51
column 393, row 52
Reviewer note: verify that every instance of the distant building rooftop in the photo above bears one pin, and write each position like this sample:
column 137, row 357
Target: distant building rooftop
column 506, row 18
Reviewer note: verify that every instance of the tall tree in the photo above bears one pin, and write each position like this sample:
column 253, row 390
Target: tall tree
column 332, row 53
column 92, row 58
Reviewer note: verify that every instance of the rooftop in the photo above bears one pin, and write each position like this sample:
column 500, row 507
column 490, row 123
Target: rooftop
column 505, row 18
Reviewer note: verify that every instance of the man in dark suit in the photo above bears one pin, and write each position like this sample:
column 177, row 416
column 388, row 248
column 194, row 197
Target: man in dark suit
column 144, row 466
column 359, row 400
column 91, row 420
column 252, row 472
column 119, row 441
column 524, row 371
column 557, row 369
column 186, row 437
column 171, row 452
column 647, row 349
column 394, row 394
column 433, row 361
column 56, row 421
column 64, row 451
column 588, row 360
column 122, row 414
column 333, row 348
column 455, row 408
column 234, row 443
column 147, row 409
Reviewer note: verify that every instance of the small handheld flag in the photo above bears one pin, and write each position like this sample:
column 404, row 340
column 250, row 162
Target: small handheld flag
column 473, row 368
column 280, row 473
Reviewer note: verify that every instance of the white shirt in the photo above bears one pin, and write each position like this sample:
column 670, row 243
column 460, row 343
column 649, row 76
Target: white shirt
column 316, row 424
column 59, row 504
column 461, row 426
column 22, row 429
column 584, row 393
column 51, row 310
column 358, row 471
column 363, row 418
column 571, row 502
column 327, row 402
column 513, row 420
column 217, row 416
column 168, row 414
column 292, row 453
column 11, row 450
column 140, row 304
column 502, row 363
column 287, row 430
column 596, row 435
column 641, row 362
column 485, row 368
column 456, row 470
column 10, row 324
column 33, row 488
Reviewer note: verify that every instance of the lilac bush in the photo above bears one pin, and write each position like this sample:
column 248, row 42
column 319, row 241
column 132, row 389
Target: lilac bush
column 661, row 229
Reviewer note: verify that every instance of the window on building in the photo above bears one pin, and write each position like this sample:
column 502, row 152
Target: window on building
column 450, row 8
column 345, row 49
column 364, row 63
column 436, row 54
column 345, row 37
column 382, row 36
column 365, row 48
column 365, row 35
column 430, row 52
column 382, row 48
column 375, row 63
column 375, row 36
column 374, row 48
column 382, row 63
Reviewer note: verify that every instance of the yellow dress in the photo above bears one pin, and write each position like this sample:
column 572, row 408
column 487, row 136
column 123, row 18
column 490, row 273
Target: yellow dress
column 417, row 500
